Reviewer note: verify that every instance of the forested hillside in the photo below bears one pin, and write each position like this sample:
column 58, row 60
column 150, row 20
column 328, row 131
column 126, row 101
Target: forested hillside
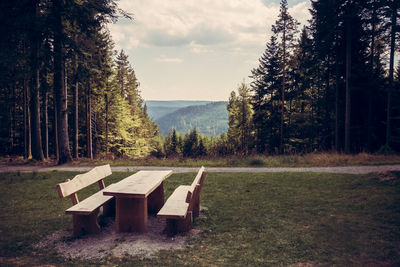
column 210, row 119
column 158, row 108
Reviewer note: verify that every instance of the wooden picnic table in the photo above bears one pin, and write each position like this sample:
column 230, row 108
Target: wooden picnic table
column 135, row 196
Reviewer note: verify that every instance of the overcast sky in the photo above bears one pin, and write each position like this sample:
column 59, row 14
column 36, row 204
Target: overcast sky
column 197, row 49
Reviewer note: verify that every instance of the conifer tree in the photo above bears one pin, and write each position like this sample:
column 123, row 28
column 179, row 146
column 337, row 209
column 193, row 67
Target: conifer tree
column 240, row 130
column 285, row 29
column 265, row 87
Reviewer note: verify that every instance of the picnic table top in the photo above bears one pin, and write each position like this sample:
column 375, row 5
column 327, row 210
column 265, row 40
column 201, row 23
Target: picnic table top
column 138, row 185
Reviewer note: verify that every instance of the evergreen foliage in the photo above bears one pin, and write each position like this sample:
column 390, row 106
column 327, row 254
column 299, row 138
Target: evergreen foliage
column 334, row 86
column 240, row 131
column 333, row 82
column 64, row 50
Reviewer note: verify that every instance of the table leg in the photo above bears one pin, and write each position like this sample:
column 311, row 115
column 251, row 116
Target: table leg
column 131, row 214
column 156, row 199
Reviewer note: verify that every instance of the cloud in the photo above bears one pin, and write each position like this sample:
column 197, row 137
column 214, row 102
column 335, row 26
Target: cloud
column 301, row 12
column 169, row 59
column 203, row 22
column 199, row 48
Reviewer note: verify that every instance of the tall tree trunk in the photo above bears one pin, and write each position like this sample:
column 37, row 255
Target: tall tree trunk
column 46, row 122
column 327, row 118
column 56, row 149
column 281, row 150
column 76, row 110
column 12, row 119
column 59, row 87
column 89, row 124
column 337, row 121
column 370, row 121
column 348, row 93
column 391, row 70
column 106, row 100
column 27, row 121
column 37, row 150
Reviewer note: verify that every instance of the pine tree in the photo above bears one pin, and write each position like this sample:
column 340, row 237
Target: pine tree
column 233, row 122
column 35, row 40
column 265, row 85
column 191, row 143
column 302, row 132
column 240, row 130
column 393, row 11
column 285, row 29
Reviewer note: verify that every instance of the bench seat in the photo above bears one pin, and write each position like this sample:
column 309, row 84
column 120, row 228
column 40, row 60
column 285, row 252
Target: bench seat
column 183, row 205
column 85, row 213
column 176, row 206
column 90, row 204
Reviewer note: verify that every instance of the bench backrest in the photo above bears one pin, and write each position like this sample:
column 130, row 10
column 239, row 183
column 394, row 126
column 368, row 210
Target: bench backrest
column 198, row 180
column 193, row 194
column 70, row 187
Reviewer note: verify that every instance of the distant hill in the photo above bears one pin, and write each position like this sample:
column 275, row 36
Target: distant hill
column 210, row 118
column 157, row 109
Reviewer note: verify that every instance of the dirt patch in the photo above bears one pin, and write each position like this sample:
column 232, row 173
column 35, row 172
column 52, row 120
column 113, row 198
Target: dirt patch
column 110, row 243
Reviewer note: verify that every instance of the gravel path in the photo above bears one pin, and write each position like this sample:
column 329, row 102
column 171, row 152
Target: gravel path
column 347, row 169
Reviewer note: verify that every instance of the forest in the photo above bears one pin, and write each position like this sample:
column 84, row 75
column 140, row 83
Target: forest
column 65, row 92
column 332, row 85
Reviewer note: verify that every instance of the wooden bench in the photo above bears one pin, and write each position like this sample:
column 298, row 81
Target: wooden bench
column 183, row 205
column 85, row 213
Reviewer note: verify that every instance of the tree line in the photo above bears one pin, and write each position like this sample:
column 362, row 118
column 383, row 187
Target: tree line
column 64, row 90
column 331, row 86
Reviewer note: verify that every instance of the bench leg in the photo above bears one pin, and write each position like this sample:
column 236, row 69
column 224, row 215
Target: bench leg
column 196, row 207
column 86, row 224
column 131, row 214
column 175, row 226
column 155, row 200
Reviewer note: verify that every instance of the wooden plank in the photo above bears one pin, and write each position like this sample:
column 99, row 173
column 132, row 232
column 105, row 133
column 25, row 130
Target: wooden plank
column 83, row 180
column 131, row 214
column 197, row 179
column 176, row 207
column 155, row 200
column 138, row 185
column 90, row 204
column 86, row 224
column 173, row 210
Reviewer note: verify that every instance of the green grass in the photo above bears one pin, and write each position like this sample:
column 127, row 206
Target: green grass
column 306, row 160
column 271, row 219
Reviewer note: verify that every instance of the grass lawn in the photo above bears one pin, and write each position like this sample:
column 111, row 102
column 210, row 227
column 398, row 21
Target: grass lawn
column 271, row 219
column 296, row 160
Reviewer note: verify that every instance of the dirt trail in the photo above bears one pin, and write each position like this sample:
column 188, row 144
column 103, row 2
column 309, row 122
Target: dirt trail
column 347, row 169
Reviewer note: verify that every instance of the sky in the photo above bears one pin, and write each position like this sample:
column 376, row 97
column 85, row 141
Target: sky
column 197, row 49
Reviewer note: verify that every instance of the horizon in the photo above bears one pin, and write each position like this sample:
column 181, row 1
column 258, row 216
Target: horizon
column 188, row 100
